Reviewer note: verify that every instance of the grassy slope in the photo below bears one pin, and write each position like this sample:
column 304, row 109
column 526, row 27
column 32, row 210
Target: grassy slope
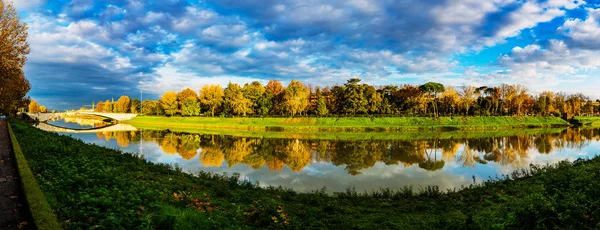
column 357, row 135
column 41, row 212
column 349, row 123
column 588, row 121
column 91, row 186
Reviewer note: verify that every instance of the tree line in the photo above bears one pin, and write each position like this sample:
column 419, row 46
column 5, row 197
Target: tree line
column 356, row 99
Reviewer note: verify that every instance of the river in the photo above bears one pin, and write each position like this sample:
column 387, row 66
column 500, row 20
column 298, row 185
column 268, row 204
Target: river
column 363, row 163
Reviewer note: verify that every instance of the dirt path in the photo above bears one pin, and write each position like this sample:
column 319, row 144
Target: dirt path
column 14, row 213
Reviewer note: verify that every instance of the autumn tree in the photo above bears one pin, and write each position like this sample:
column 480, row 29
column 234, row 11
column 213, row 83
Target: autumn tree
column 254, row 92
column 275, row 90
column 135, row 106
column 13, row 50
column 184, row 94
column 99, row 107
column 151, row 107
column 34, row 107
column 235, row 102
column 168, row 102
column 123, row 104
column 467, row 97
column 296, row 97
column 211, row 96
column 43, row 109
column 108, row 106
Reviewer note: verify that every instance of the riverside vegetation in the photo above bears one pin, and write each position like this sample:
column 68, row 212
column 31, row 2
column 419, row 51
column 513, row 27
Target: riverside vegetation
column 90, row 186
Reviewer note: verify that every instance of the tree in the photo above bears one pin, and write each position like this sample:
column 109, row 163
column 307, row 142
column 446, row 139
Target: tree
column 168, row 102
column 275, row 89
column 123, row 104
column 151, row 107
column 467, row 97
column 254, row 92
column 43, row 109
column 212, row 97
column 184, row 94
column 296, row 97
column 235, row 102
column 135, row 106
column 13, row 50
column 34, row 107
column 432, row 89
column 354, row 97
column 190, row 107
column 99, row 107
column 322, row 107
column 108, row 106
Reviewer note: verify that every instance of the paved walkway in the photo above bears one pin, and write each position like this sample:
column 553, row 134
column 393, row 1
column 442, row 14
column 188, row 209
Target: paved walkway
column 14, row 213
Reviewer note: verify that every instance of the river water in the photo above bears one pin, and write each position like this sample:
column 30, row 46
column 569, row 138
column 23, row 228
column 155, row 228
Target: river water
column 364, row 162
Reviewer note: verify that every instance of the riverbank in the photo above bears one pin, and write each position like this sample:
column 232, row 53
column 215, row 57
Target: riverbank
column 91, row 186
column 592, row 121
column 329, row 124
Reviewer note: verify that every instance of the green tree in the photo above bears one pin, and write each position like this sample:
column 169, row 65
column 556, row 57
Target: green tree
column 211, row 96
column 322, row 107
column 432, row 89
column 190, row 107
column 168, row 102
column 296, row 97
column 151, row 107
column 354, row 97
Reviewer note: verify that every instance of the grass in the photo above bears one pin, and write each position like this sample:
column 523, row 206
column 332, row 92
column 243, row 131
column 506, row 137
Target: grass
column 358, row 135
column 587, row 121
column 41, row 212
column 327, row 124
column 95, row 187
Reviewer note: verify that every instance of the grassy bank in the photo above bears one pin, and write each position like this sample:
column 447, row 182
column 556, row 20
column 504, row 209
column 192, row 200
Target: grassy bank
column 94, row 187
column 587, row 121
column 41, row 212
column 343, row 135
column 349, row 123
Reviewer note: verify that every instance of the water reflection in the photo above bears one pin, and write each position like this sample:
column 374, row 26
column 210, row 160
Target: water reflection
column 78, row 122
column 356, row 155
column 306, row 164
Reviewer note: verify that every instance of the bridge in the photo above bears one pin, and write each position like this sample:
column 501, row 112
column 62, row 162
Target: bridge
column 42, row 117
column 110, row 128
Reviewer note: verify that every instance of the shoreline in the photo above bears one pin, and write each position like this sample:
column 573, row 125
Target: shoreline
column 350, row 124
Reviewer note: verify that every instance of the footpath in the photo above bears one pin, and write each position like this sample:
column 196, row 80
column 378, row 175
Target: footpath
column 14, row 213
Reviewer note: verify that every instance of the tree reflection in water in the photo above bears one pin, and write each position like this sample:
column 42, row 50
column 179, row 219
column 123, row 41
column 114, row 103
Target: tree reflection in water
column 356, row 155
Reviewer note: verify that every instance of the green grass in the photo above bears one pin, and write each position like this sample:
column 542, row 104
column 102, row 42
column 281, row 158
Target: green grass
column 41, row 212
column 95, row 187
column 326, row 124
column 587, row 121
column 359, row 135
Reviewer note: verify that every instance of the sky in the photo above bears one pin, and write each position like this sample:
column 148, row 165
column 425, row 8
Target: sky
column 84, row 51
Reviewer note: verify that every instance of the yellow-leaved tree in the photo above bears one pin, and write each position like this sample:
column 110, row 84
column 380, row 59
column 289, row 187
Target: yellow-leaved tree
column 211, row 96
column 296, row 97
column 169, row 103
column 13, row 51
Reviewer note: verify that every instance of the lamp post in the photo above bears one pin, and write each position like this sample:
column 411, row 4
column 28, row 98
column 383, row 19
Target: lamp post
column 141, row 102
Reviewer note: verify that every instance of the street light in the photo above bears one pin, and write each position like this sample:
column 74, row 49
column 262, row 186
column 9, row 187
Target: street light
column 141, row 102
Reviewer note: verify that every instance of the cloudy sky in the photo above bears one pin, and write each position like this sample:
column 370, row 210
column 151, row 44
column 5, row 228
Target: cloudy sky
column 86, row 50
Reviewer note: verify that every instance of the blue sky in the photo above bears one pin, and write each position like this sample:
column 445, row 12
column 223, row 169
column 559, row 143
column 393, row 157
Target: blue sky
column 86, row 50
